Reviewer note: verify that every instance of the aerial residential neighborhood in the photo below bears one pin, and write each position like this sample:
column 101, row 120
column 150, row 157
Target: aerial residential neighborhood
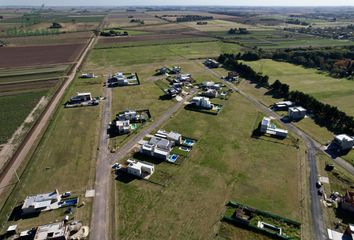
column 176, row 120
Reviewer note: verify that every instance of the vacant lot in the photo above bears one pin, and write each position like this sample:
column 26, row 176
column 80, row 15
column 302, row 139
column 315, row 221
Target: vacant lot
column 337, row 92
column 151, row 54
column 225, row 164
column 14, row 110
column 38, row 55
column 151, row 37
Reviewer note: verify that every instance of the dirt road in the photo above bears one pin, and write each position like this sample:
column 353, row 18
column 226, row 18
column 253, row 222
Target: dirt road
column 100, row 210
column 20, row 155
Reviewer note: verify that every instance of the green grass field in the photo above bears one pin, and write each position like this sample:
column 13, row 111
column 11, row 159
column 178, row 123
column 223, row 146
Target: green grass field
column 64, row 159
column 31, row 74
column 337, row 92
column 151, row 54
column 225, row 164
column 14, row 109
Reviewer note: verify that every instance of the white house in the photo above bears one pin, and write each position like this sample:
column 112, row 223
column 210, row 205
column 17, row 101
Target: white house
column 88, row 75
column 140, row 169
column 123, row 126
column 81, row 97
column 157, row 147
column 174, row 137
column 53, row 231
column 202, row 102
column 344, row 142
column 284, row 105
column 211, row 93
column 271, row 129
column 40, row 202
column 296, row 112
column 128, row 115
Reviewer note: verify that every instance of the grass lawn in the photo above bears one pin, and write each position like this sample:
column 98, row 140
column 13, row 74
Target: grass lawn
column 226, row 163
column 15, row 108
column 64, row 159
column 337, row 92
column 151, row 54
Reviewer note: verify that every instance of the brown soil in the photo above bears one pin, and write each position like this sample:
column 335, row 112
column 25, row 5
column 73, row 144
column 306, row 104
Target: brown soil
column 37, row 55
column 22, row 86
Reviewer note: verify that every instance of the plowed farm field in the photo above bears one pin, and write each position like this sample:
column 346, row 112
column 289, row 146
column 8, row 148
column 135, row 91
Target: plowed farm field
column 39, row 55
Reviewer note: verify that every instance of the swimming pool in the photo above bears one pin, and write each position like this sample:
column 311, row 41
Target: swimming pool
column 172, row 158
column 188, row 142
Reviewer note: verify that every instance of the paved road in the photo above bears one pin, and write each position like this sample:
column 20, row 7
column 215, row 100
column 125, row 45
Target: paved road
column 318, row 226
column 100, row 210
column 37, row 129
column 100, row 220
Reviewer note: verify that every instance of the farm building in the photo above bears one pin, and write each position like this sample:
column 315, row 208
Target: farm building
column 267, row 127
column 344, row 142
column 284, row 105
column 201, row 102
column 174, row 137
column 140, row 169
column 211, row 63
column 53, row 231
column 210, row 93
column 347, row 202
column 40, row 202
column 296, row 113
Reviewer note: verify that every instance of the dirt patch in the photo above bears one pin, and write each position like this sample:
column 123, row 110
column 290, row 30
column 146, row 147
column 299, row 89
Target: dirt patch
column 30, row 85
column 37, row 55
column 6, row 150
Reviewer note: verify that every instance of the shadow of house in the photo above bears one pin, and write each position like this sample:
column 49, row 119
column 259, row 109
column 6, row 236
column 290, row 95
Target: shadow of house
column 124, row 177
column 143, row 157
column 17, row 214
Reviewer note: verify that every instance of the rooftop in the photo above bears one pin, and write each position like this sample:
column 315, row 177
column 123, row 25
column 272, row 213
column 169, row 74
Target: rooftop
column 51, row 231
column 40, row 200
column 342, row 137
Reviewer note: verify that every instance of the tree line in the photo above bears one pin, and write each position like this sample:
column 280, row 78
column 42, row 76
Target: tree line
column 238, row 31
column 324, row 114
column 338, row 62
column 191, row 18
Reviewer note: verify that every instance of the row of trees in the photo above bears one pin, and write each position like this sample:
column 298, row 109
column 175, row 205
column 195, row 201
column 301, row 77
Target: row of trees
column 191, row 18
column 324, row 114
column 238, row 31
column 338, row 62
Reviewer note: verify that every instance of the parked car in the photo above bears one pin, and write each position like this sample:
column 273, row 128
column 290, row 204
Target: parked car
column 116, row 166
column 66, row 194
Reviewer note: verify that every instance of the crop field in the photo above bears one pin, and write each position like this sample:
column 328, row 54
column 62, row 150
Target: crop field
column 270, row 38
column 218, row 25
column 16, row 107
column 121, row 19
column 38, row 55
column 337, row 92
column 65, row 38
column 225, row 164
column 54, row 158
column 31, row 74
